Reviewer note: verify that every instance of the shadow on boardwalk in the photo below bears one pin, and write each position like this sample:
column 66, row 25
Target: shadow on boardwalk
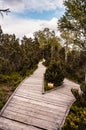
column 29, row 109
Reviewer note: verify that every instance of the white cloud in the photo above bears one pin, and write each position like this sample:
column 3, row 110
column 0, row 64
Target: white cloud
column 21, row 27
column 33, row 5
column 14, row 5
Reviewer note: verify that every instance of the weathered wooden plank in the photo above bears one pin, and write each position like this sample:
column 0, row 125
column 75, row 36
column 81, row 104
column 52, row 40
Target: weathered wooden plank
column 30, row 91
column 63, row 94
column 60, row 101
column 33, row 109
column 7, row 124
column 35, row 86
column 30, row 120
column 39, row 107
column 44, row 98
column 32, row 114
column 34, row 90
column 42, row 103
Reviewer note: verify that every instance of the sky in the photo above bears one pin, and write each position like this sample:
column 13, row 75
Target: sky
column 29, row 16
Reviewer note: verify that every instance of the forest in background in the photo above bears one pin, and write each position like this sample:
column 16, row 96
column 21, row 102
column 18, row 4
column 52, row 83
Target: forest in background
column 72, row 26
column 16, row 62
column 19, row 60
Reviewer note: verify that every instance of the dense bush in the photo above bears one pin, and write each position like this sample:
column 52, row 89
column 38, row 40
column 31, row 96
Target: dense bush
column 76, row 120
column 75, row 73
column 8, row 84
column 12, row 80
column 54, row 73
column 80, row 97
column 83, row 88
column 75, row 67
column 3, row 97
column 83, row 96
column 16, row 57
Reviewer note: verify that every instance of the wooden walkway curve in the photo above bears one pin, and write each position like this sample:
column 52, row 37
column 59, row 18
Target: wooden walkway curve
column 29, row 109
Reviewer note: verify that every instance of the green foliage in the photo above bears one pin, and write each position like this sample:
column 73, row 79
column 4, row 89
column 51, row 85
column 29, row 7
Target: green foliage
column 16, row 61
column 76, row 94
column 75, row 74
column 2, row 98
column 55, row 73
column 83, row 87
column 72, row 26
column 10, row 83
column 29, row 72
column 49, row 43
column 80, row 97
column 15, row 57
column 11, row 80
column 4, row 78
column 76, row 120
column 75, row 65
column 74, row 20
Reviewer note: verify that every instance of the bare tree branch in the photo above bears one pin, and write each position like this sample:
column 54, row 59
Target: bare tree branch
column 4, row 11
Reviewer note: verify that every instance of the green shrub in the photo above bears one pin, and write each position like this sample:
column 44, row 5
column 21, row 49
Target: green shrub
column 31, row 71
column 11, row 80
column 10, row 83
column 83, row 96
column 83, row 87
column 47, row 62
column 76, row 120
column 4, row 78
column 3, row 95
column 54, row 73
column 80, row 97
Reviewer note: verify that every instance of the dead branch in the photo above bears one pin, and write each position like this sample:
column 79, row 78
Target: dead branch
column 4, row 11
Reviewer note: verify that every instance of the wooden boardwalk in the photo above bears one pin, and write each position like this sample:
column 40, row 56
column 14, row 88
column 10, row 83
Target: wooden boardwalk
column 29, row 109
